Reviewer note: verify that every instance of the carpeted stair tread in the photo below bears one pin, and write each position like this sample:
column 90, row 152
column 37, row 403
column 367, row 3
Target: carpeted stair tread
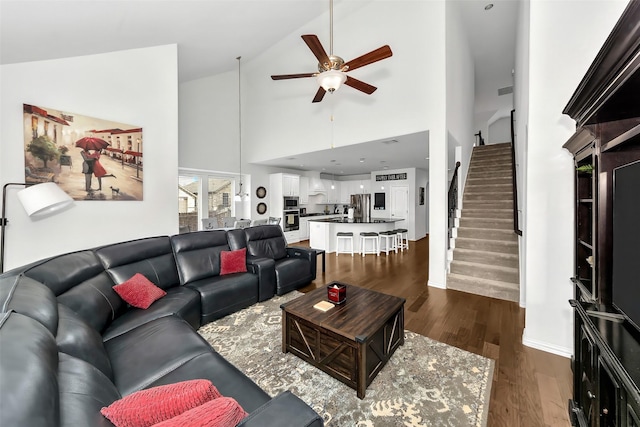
column 487, row 196
column 486, row 257
column 502, row 246
column 485, row 271
column 489, row 234
column 487, row 223
column 481, row 204
column 488, row 288
column 486, row 213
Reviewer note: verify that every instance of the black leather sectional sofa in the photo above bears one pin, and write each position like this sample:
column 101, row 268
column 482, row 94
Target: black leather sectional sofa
column 69, row 345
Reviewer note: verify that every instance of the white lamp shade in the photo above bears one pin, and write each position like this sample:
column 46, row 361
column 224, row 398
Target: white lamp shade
column 43, row 198
column 331, row 80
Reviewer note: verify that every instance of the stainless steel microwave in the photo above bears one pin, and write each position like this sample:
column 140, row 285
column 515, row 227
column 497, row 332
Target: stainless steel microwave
column 291, row 202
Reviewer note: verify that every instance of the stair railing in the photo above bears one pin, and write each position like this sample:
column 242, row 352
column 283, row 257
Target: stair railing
column 452, row 203
column 516, row 226
column 479, row 138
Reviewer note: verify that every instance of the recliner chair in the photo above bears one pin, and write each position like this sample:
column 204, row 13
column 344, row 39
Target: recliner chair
column 294, row 267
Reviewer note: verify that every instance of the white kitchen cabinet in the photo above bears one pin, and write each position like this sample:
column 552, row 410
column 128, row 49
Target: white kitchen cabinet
column 292, row 236
column 304, row 190
column 345, row 193
column 290, row 185
column 334, row 193
column 304, row 228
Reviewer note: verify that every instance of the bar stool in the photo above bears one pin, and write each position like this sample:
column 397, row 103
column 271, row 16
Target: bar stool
column 375, row 246
column 402, row 235
column 347, row 236
column 390, row 240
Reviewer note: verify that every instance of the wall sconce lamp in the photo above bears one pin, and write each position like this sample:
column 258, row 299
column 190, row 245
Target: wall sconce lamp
column 37, row 200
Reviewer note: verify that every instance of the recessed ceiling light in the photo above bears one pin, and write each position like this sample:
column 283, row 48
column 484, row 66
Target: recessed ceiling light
column 333, row 161
column 362, row 160
column 385, row 167
column 338, row 164
column 426, row 158
column 291, row 158
column 383, row 161
column 489, row 6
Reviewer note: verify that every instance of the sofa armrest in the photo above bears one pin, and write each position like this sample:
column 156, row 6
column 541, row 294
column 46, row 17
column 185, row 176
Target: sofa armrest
column 265, row 269
column 306, row 253
column 286, row 409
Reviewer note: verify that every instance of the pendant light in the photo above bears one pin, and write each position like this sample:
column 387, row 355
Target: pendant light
column 240, row 195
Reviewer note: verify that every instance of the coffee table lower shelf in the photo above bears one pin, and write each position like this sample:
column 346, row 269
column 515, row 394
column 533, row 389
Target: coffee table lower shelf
column 355, row 362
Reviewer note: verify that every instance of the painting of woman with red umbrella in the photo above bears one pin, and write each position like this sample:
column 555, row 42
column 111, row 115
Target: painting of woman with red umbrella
column 91, row 164
column 78, row 151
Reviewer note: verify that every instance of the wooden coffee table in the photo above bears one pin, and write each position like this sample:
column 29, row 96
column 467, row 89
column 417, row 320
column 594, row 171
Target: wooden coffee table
column 352, row 341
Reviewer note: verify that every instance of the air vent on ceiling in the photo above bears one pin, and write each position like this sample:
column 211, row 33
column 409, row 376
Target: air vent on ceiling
column 505, row 90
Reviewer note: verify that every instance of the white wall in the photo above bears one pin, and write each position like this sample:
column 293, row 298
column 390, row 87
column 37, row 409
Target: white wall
column 416, row 178
column 555, row 71
column 499, row 131
column 521, row 106
column 460, row 99
column 135, row 86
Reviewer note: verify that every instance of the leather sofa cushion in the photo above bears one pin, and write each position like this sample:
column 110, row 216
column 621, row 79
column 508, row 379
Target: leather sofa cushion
column 266, row 242
column 76, row 338
column 292, row 273
column 28, row 380
column 227, row 378
column 151, row 257
column 80, row 282
column 63, row 272
column 222, row 295
column 181, row 301
column 142, row 355
column 83, row 391
column 95, row 301
column 18, row 293
column 198, row 254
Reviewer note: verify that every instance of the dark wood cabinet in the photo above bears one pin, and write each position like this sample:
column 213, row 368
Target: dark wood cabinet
column 606, row 107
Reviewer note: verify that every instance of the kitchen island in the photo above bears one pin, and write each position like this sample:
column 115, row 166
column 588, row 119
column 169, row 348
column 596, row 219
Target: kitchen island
column 322, row 232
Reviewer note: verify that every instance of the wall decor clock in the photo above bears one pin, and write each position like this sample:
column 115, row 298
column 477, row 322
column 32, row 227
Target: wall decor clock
column 261, row 208
column 261, row 192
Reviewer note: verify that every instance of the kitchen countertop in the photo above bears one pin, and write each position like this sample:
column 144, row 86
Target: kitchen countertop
column 319, row 214
column 357, row 221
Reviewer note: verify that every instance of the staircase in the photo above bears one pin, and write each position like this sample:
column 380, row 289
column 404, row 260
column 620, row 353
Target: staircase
column 484, row 251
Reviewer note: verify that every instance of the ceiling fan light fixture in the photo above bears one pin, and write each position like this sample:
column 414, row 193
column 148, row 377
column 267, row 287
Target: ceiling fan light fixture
column 331, row 80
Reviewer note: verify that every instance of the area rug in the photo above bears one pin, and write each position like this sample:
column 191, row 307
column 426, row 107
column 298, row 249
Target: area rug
column 425, row 383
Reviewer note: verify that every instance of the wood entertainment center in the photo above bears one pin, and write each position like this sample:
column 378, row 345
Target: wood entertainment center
column 606, row 107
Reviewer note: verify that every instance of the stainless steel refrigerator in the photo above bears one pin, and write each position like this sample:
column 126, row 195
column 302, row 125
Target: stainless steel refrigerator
column 361, row 204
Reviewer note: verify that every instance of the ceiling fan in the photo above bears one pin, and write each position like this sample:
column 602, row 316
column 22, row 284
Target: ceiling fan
column 332, row 68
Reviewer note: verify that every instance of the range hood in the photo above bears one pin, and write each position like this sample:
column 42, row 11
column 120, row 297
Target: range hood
column 315, row 184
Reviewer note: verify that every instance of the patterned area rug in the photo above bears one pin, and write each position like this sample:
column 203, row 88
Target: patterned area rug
column 426, row 383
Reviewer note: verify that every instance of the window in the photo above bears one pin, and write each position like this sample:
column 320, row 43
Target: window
column 193, row 206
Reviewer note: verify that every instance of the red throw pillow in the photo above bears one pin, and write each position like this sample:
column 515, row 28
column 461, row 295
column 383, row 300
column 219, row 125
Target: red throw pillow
column 233, row 261
column 220, row 412
column 145, row 408
column 139, row 291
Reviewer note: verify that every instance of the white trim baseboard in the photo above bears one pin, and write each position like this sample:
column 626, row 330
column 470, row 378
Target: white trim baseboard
column 545, row 346
column 436, row 285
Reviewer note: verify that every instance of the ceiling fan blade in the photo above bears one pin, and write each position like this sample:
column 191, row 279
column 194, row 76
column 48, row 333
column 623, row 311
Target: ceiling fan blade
column 316, row 47
column 319, row 94
column 292, row 76
column 369, row 58
column 360, row 85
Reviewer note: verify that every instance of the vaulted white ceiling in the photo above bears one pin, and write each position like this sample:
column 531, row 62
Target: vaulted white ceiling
column 211, row 33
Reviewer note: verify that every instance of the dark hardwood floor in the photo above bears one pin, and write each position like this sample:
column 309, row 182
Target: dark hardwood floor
column 530, row 387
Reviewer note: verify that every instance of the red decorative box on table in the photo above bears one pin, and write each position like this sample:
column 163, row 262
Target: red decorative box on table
column 337, row 292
